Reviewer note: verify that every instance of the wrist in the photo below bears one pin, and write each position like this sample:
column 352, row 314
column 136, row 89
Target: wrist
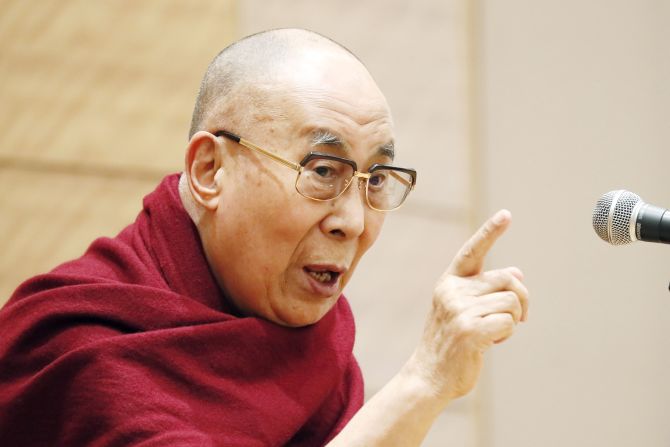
column 422, row 382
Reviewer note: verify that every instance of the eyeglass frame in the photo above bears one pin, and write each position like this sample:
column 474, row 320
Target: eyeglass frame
column 299, row 168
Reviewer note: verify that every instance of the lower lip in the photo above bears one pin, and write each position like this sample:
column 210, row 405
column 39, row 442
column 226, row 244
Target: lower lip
column 324, row 290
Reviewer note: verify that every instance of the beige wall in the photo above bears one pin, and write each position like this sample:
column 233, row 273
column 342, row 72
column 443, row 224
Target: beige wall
column 96, row 103
column 574, row 102
column 539, row 107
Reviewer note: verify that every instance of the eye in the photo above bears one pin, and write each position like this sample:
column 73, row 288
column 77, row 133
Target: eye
column 377, row 180
column 324, row 171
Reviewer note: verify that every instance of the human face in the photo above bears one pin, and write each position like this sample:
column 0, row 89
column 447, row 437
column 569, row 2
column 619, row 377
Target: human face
column 276, row 254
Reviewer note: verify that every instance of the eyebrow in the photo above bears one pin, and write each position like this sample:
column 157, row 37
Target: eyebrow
column 387, row 150
column 324, row 137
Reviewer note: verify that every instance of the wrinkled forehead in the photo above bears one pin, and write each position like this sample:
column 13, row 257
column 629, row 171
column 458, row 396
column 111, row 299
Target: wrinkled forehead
column 314, row 86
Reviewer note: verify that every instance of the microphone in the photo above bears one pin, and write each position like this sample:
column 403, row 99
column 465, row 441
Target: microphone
column 621, row 217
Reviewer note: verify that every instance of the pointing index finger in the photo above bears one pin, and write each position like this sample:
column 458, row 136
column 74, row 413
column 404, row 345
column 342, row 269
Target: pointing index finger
column 470, row 258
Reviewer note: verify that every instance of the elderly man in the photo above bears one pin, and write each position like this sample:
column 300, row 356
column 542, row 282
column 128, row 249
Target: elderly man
column 217, row 317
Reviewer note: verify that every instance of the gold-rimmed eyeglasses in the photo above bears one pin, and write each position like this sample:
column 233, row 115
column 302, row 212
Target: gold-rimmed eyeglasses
column 322, row 177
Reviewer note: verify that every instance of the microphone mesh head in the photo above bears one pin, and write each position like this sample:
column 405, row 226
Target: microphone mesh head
column 612, row 223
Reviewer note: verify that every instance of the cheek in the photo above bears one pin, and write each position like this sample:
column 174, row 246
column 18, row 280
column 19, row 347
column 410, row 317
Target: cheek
column 267, row 221
column 373, row 227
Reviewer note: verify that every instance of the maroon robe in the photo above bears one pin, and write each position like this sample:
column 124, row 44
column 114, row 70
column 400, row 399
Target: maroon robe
column 134, row 344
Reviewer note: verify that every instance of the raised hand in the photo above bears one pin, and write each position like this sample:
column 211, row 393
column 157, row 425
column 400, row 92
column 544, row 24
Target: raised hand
column 472, row 309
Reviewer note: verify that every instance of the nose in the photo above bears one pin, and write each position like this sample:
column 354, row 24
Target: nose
column 346, row 218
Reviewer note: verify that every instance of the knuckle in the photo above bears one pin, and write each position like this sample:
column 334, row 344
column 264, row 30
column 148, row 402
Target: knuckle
column 504, row 322
column 523, row 298
column 446, row 302
column 515, row 272
column 467, row 253
column 509, row 323
column 449, row 307
column 458, row 307
column 508, row 279
column 465, row 325
column 446, row 285
column 501, row 277
column 511, row 296
column 487, row 230
column 506, row 298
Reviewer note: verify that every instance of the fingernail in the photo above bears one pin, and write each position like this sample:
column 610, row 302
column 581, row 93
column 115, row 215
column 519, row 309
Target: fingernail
column 500, row 217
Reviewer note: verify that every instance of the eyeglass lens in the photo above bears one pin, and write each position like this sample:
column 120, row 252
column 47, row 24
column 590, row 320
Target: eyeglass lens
column 325, row 179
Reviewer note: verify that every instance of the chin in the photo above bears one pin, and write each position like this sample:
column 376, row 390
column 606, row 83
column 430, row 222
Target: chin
column 302, row 317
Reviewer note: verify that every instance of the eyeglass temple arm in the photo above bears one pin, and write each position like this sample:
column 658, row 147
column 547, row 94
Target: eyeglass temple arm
column 402, row 179
column 245, row 143
column 278, row 159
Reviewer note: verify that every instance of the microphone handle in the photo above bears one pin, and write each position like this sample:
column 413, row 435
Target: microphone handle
column 653, row 224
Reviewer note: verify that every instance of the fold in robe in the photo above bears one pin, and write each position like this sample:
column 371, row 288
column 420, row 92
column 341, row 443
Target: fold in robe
column 134, row 344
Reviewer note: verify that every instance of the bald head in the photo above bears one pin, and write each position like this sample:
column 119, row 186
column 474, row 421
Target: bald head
column 257, row 59
column 296, row 95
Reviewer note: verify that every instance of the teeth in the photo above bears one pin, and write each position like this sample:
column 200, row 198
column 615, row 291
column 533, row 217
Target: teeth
column 321, row 276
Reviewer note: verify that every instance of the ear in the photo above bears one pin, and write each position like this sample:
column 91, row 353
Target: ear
column 204, row 169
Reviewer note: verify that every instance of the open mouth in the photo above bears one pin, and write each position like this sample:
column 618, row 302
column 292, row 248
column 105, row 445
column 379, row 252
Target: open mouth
column 323, row 276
